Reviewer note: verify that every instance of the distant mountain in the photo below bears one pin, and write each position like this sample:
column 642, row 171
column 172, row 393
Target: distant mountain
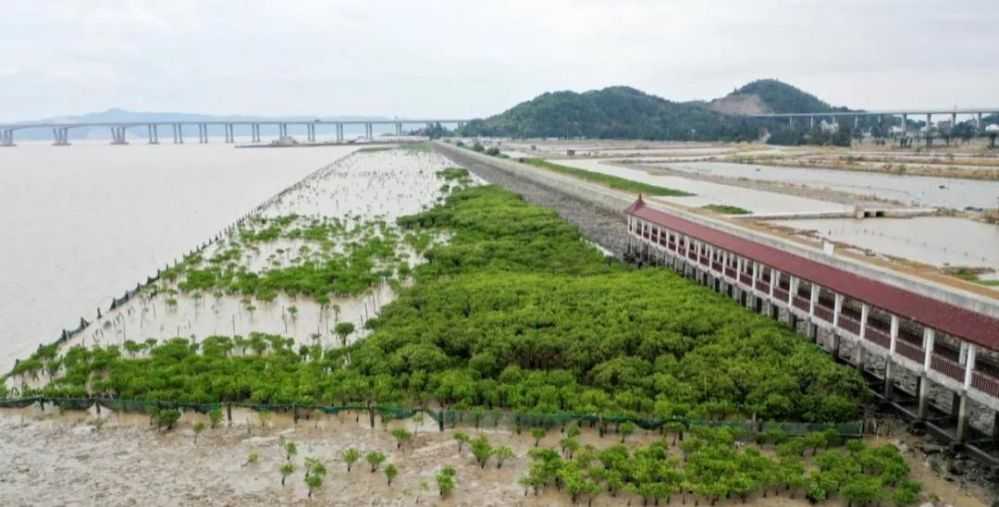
column 614, row 112
column 623, row 112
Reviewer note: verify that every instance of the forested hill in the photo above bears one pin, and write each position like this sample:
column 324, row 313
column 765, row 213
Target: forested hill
column 623, row 112
column 769, row 96
column 615, row 112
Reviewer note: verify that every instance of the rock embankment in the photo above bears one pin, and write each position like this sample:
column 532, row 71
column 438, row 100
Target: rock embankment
column 597, row 212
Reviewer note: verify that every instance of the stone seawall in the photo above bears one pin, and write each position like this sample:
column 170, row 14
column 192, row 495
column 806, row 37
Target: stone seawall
column 596, row 210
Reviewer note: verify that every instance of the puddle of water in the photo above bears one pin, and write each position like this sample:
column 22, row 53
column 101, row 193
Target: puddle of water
column 937, row 241
column 918, row 191
column 757, row 201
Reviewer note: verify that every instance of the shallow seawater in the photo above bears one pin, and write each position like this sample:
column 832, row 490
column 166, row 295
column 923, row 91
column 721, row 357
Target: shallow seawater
column 84, row 223
column 359, row 190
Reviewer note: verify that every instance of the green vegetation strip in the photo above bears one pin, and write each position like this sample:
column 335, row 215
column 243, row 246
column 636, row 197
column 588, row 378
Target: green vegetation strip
column 727, row 209
column 517, row 313
column 973, row 276
column 607, row 180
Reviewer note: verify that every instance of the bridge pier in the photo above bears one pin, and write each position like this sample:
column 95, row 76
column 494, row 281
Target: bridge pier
column 339, row 132
column 811, row 122
column 60, row 136
column 254, row 132
column 118, row 136
column 178, row 133
column 203, row 133
column 7, row 138
column 283, row 130
column 398, row 129
column 229, row 136
column 929, row 126
column 369, row 130
column 154, row 133
column 310, row 132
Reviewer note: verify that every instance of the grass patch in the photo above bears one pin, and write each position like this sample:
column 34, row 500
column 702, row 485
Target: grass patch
column 453, row 173
column 970, row 275
column 614, row 182
column 423, row 147
column 726, row 209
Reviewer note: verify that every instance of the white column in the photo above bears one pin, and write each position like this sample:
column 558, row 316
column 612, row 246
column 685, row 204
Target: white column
column 929, row 336
column 837, row 308
column 970, row 366
column 794, row 290
column 774, row 279
column 864, row 311
column 813, row 300
column 894, row 333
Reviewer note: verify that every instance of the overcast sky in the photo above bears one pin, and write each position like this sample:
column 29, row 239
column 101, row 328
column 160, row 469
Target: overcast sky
column 473, row 58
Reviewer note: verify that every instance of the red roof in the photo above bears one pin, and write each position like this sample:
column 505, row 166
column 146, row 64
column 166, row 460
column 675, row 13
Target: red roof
column 972, row 326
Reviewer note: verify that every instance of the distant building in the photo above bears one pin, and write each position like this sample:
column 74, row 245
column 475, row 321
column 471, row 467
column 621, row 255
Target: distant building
column 284, row 141
column 829, row 126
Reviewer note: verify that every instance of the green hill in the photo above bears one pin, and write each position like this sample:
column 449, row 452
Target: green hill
column 621, row 112
column 777, row 97
column 617, row 112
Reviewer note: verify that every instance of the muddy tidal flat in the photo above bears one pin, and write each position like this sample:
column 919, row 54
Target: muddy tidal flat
column 69, row 459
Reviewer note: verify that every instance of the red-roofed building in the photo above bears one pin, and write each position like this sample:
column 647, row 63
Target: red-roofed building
column 951, row 345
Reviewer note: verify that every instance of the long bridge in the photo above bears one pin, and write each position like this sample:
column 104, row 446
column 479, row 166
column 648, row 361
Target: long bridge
column 976, row 113
column 118, row 130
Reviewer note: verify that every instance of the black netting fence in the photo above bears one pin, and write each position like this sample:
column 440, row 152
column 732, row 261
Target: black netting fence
column 448, row 418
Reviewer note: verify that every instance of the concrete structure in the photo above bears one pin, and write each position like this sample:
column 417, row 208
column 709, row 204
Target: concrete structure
column 941, row 337
column 60, row 131
column 976, row 113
